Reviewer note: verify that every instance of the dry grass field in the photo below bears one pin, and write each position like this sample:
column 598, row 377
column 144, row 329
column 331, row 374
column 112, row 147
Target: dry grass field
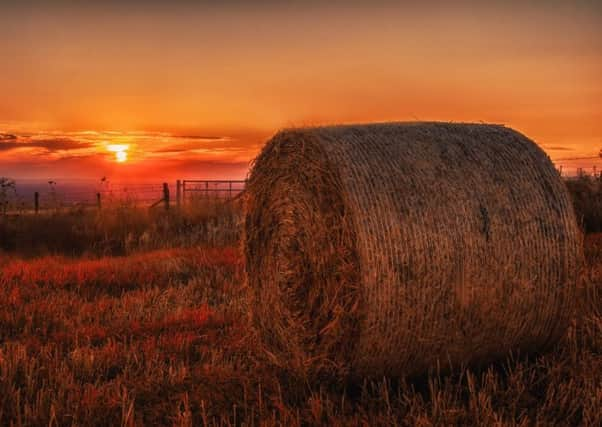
column 150, row 327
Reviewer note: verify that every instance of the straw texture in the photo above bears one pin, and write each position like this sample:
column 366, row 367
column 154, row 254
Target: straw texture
column 390, row 249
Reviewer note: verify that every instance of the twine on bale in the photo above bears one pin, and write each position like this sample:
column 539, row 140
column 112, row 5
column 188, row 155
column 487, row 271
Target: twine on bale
column 388, row 249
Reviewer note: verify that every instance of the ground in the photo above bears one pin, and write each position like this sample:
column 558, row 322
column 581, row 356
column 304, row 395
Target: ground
column 158, row 334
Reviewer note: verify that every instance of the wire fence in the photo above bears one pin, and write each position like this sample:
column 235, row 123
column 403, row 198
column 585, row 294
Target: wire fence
column 17, row 197
column 212, row 189
column 571, row 171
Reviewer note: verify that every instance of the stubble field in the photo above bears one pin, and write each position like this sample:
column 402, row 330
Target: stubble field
column 152, row 328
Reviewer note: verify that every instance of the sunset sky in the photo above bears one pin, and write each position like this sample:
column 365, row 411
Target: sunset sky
column 193, row 90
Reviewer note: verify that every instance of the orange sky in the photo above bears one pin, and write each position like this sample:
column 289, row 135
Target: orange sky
column 196, row 89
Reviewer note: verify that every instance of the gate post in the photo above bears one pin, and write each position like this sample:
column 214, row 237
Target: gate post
column 178, row 193
column 166, row 195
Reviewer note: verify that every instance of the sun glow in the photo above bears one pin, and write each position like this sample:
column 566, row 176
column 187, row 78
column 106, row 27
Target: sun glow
column 120, row 150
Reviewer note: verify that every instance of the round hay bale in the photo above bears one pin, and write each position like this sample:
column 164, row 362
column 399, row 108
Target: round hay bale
column 390, row 249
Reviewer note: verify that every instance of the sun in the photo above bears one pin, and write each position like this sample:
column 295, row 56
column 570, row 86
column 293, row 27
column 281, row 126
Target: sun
column 120, row 150
column 121, row 156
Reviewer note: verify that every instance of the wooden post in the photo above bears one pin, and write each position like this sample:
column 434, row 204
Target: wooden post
column 207, row 189
column 178, row 193
column 230, row 189
column 98, row 201
column 36, row 202
column 166, row 195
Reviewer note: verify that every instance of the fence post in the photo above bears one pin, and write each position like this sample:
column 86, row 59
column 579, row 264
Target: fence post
column 178, row 193
column 98, row 201
column 36, row 202
column 230, row 189
column 206, row 189
column 166, row 195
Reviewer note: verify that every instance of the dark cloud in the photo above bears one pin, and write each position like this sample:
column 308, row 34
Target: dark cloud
column 50, row 144
column 218, row 144
column 173, row 149
column 7, row 137
column 5, row 146
column 205, row 137
column 557, row 148
column 182, row 143
column 185, row 148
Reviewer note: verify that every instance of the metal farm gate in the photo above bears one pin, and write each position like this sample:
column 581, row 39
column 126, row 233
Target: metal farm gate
column 208, row 189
